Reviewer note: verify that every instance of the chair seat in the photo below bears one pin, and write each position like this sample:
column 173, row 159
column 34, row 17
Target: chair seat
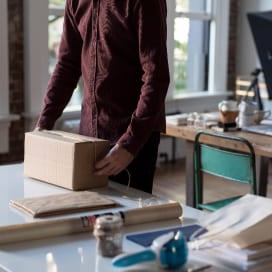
column 215, row 205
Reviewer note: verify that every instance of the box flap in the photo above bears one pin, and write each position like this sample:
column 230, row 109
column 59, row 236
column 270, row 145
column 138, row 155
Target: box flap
column 65, row 136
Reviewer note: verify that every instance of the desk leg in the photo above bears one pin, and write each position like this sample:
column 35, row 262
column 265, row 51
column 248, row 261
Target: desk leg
column 190, row 185
column 262, row 164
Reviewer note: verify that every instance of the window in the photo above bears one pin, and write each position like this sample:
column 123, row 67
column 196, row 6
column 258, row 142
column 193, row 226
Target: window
column 197, row 48
column 55, row 21
column 191, row 33
column 191, row 36
column 194, row 28
column 191, row 44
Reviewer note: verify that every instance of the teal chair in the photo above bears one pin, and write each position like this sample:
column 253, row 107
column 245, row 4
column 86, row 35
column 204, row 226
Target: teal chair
column 231, row 165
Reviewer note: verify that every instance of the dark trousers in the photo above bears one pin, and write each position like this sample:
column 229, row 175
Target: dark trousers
column 142, row 168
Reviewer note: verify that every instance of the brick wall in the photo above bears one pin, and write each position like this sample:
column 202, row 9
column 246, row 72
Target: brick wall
column 16, row 81
column 16, row 75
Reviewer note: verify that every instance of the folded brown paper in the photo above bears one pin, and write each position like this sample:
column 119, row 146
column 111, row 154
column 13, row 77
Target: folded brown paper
column 62, row 203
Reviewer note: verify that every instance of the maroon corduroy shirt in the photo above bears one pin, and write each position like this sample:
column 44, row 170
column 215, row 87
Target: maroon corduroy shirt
column 119, row 48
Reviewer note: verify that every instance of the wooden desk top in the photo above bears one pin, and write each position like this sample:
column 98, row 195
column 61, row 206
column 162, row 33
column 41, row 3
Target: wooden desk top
column 262, row 143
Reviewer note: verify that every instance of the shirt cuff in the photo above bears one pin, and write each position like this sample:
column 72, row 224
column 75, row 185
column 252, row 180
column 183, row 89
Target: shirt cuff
column 131, row 143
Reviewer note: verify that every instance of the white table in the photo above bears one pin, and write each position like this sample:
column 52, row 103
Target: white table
column 73, row 253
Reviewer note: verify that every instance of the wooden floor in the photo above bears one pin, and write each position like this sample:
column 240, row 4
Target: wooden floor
column 170, row 183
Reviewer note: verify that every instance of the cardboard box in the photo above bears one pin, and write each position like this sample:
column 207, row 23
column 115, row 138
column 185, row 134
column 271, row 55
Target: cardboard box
column 64, row 159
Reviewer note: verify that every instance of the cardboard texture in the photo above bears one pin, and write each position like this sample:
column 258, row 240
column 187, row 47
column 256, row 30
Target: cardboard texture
column 64, row 159
column 66, row 203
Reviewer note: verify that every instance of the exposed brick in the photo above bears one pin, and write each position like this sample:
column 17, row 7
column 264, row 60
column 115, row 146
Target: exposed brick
column 234, row 8
column 16, row 78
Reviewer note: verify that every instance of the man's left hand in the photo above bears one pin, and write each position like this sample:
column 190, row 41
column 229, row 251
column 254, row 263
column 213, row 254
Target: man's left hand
column 114, row 162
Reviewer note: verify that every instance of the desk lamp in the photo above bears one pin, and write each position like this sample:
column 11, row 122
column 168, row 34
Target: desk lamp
column 254, row 85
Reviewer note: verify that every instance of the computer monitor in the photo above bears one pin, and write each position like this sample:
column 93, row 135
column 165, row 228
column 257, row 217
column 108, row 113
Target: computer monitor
column 261, row 29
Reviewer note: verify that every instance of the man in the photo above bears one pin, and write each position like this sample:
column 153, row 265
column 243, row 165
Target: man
column 119, row 49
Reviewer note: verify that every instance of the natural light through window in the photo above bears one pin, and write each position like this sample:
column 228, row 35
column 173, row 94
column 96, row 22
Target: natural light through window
column 55, row 22
column 191, row 44
column 180, row 53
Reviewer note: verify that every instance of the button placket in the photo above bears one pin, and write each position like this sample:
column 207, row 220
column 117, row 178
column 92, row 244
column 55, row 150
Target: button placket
column 94, row 65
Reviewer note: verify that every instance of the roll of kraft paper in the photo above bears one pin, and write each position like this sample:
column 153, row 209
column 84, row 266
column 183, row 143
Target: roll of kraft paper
column 152, row 213
column 59, row 227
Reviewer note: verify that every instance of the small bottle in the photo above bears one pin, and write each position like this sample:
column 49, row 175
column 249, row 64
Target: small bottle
column 200, row 121
column 191, row 118
column 108, row 232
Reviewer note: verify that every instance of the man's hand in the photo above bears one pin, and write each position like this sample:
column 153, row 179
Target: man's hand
column 114, row 162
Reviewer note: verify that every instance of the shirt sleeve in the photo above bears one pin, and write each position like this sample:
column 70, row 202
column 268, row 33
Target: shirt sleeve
column 66, row 73
column 150, row 24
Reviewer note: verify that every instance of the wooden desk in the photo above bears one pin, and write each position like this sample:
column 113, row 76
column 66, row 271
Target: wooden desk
column 262, row 145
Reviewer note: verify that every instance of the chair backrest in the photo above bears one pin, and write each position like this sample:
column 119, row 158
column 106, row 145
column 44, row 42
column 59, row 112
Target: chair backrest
column 230, row 164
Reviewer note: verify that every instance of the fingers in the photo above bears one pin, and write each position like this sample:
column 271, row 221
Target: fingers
column 107, row 166
column 109, row 170
column 115, row 161
column 102, row 163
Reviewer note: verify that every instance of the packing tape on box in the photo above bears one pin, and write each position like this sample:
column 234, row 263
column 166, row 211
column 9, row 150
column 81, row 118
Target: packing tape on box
column 68, row 135
column 58, row 227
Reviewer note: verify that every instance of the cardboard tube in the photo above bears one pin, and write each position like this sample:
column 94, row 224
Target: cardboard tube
column 40, row 230
column 59, row 227
column 152, row 213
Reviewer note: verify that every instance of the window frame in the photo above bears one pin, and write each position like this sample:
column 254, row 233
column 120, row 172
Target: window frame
column 218, row 45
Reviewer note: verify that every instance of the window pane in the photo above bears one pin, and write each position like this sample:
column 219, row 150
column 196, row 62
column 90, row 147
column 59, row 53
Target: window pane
column 180, row 53
column 54, row 35
column 55, row 29
column 191, row 5
column 56, row 3
column 190, row 55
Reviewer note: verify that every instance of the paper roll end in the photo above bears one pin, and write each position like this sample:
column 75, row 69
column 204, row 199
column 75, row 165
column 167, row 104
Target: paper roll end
column 168, row 211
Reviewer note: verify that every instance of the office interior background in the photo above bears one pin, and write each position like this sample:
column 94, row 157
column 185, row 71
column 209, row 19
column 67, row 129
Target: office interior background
column 209, row 46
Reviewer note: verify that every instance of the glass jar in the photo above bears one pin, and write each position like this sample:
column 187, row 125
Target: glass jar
column 108, row 232
column 191, row 118
column 200, row 121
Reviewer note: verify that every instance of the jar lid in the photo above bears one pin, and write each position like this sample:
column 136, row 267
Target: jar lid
column 108, row 222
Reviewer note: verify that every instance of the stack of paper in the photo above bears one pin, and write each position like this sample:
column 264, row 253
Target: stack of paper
column 252, row 259
column 239, row 235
